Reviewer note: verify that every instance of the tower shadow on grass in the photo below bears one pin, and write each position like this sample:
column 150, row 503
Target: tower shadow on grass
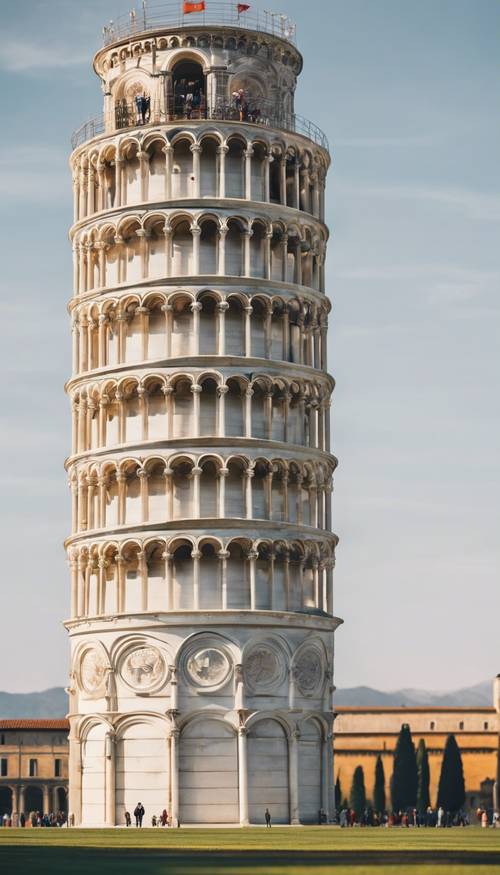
column 118, row 861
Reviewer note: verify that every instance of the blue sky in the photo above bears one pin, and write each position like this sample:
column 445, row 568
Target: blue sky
column 408, row 95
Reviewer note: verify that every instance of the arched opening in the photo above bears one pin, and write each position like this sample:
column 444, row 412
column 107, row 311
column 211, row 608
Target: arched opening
column 156, row 177
column 6, row 801
column 156, row 492
column 62, row 800
column 210, row 589
column 208, row 407
column 141, row 770
column 235, row 492
column 260, row 502
column 238, row 584
column 182, row 328
column 157, row 594
column 208, row 760
column 234, row 249
column 156, row 332
column 235, row 169
column 263, row 579
column 182, row 490
column 182, row 578
column 234, row 410
column 258, row 329
column 268, row 772
column 259, row 159
column 209, row 490
column 309, row 772
column 208, row 325
column 257, row 250
column 208, row 247
column 189, row 90
column 235, row 328
column 93, row 781
column 182, row 169
column 209, row 168
column 33, row 800
column 157, row 425
column 182, row 249
column 182, row 408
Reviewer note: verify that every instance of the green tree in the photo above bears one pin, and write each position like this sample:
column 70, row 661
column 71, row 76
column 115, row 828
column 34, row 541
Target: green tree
column 404, row 775
column 451, row 791
column 338, row 793
column 379, row 786
column 423, row 773
column 358, row 792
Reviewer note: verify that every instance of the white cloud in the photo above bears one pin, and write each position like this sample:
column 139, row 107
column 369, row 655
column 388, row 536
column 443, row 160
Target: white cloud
column 475, row 204
column 36, row 174
column 20, row 56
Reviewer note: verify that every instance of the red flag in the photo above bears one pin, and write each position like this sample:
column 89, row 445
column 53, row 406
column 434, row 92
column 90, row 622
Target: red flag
column 243, row 7
column 194, row 7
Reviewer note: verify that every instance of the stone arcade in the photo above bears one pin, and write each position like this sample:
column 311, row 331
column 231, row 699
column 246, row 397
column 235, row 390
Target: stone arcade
column 201, row 550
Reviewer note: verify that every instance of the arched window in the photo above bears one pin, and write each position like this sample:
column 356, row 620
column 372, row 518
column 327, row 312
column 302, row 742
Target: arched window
column 258, row 329
column 235, row 494
column 156, row 164
column 182, row 249
column 210, row 589
column 208, row 407
column 208, row 247
column 182, row 578
column 209, row 168
column 182, row 408
column 208, row 326
column 235, row 169
column 182, row 170
column 157, row 492
column 234, row 249
column 234, row 328
column 182, row 328
column 234, row 410
column 259, row 160
column 156, row 332
column 238, row 583
column 209, row 490
column 257, row 250
column 189, row 90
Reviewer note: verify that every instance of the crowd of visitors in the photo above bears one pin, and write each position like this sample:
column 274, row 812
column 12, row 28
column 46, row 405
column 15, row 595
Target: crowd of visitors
column 34, row 818
column 432, row 817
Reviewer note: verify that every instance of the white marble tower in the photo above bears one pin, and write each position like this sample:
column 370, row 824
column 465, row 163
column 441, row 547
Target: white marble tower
column 201, row 550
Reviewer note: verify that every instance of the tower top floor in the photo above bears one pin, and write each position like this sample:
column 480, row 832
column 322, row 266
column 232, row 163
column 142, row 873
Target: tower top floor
column 214, row 65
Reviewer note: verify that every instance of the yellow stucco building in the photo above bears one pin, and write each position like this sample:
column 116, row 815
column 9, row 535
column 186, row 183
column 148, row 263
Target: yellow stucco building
column 33, row 766
column 361, row 734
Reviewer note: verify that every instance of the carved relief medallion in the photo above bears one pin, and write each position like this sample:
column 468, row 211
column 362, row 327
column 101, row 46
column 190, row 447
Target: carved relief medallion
column 143, row 668
column 308, row 671
column 93, row 671
column 263, row 668
column 208, row 667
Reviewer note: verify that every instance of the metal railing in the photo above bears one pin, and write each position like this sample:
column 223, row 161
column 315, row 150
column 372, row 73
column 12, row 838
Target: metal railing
column 260, row 113
column 154, row 16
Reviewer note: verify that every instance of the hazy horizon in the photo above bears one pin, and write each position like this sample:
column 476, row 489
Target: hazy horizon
column 408, row 96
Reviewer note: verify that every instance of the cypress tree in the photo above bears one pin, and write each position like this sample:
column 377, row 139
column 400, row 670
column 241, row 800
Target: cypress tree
column 423, row 772
column 451, row 792
column 404, row 775
column 379, row 786
column 358, row 792
column 338, row 793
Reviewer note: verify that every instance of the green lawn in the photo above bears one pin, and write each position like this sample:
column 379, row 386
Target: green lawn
column 311, row 850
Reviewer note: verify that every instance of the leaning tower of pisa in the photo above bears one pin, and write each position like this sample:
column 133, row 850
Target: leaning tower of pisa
column 201, row 550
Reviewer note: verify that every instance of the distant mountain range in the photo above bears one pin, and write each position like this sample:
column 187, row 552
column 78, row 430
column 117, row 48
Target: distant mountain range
column 54, row 702
column 478, row 696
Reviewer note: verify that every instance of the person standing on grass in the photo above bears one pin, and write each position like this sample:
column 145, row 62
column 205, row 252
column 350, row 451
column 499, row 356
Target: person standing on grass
column 139, row 814
column 267, row 815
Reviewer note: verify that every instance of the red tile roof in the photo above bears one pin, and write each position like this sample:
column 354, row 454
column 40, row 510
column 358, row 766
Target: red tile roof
column 34, row 724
